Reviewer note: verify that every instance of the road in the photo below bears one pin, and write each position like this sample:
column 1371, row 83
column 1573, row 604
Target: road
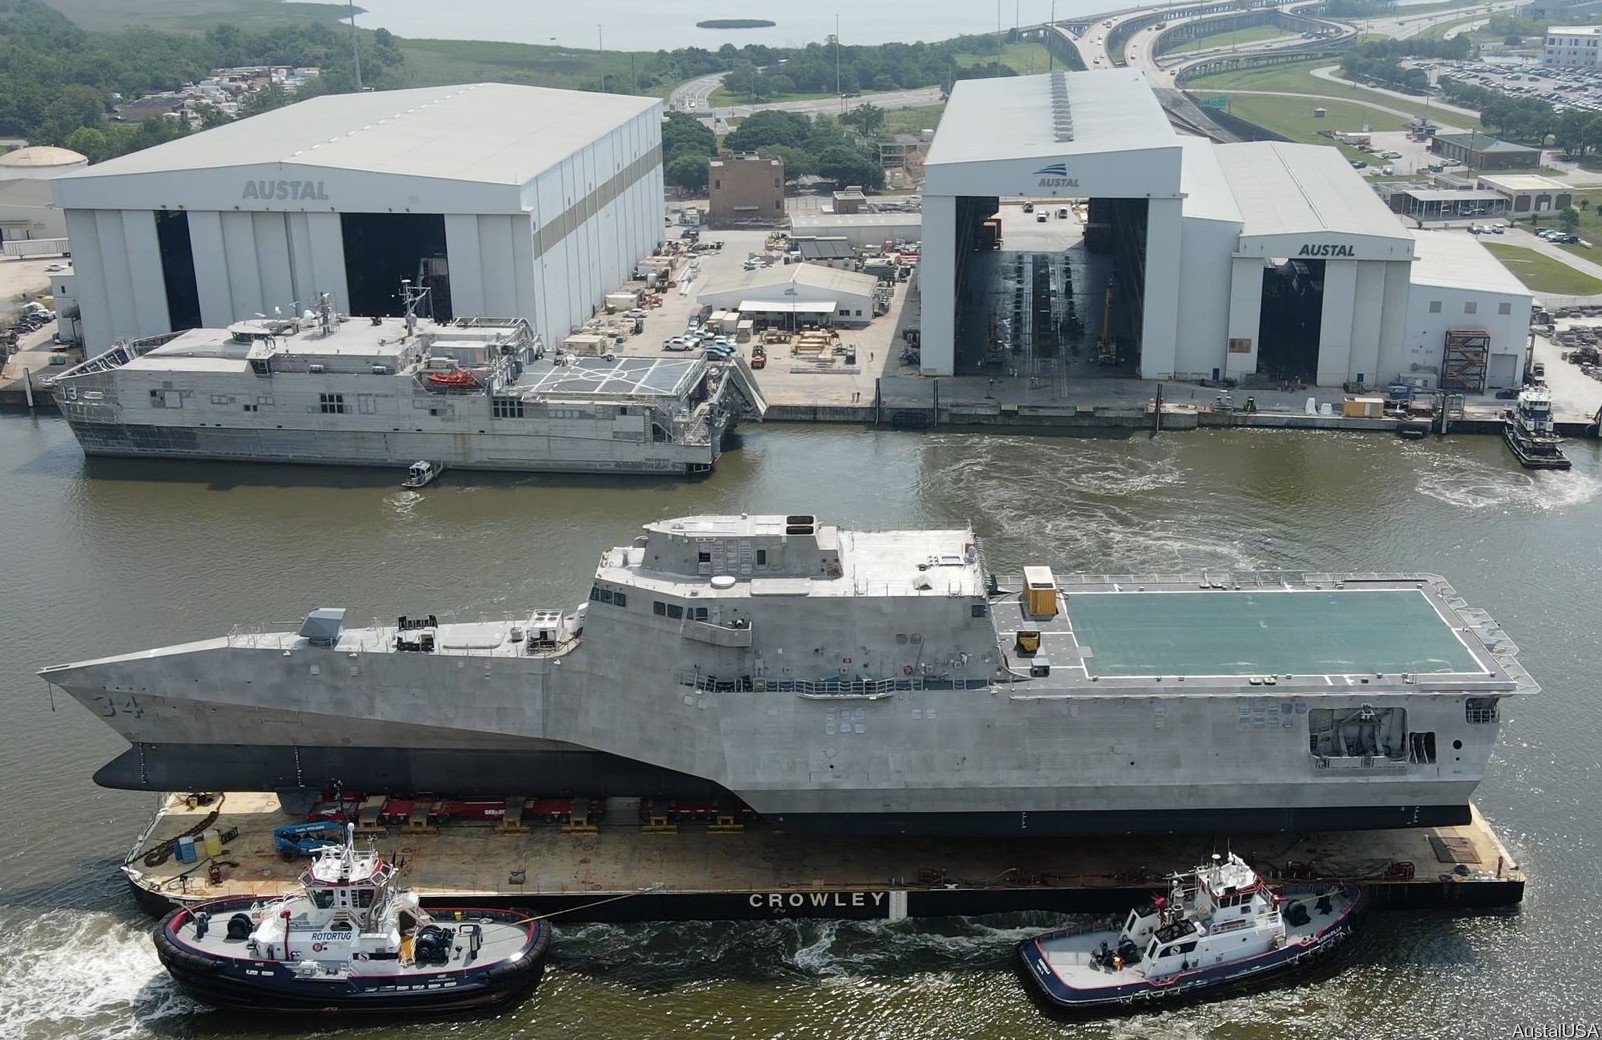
column 695, row 96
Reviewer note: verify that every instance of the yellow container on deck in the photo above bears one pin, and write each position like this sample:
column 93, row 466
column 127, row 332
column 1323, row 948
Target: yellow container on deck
column 1040, row 592
column 212, row 841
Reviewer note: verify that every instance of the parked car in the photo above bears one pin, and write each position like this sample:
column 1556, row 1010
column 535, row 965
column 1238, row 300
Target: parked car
column 1359, row 164
column 678, row 343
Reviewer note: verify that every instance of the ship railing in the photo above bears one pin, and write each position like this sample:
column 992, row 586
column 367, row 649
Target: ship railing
column 1361, row 762
column 120, row 354
column 822, row 689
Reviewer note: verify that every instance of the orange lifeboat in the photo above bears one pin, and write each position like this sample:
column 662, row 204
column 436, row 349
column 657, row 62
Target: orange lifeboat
column 455, row 378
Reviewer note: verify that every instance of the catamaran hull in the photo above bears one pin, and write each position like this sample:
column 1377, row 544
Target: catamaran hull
column 508, row 452
column 497, row 773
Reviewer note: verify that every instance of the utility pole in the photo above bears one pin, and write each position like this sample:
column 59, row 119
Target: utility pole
column 837, row 90
column 600, row 42
column 355, row 47
column 1051, row 34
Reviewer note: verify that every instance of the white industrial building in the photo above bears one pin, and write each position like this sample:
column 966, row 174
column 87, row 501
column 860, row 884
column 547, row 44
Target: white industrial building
column 797, row 294
column 1464, row 298
column 1225, row 260
column 1574, row 45
column 863, row 230
column 506, row 201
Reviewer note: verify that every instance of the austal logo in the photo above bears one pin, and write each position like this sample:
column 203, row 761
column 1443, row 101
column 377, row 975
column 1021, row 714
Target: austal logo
column 295, row 191
column 1056, row 176
column 1326, row 250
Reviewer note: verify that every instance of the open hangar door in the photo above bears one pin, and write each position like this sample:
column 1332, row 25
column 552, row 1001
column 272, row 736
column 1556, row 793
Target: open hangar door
column 1291, row 320
column 384, row 249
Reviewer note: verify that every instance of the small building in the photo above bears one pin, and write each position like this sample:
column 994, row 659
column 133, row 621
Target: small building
column 827, row 252
column 1422, row 203
column 1468, row 318
column 1573, row 45
column 1484, row 152
column 798, row 294
column 1529, row 192
column 851, row 200
column 864, row 230
column 743, row 187
column 26, row 211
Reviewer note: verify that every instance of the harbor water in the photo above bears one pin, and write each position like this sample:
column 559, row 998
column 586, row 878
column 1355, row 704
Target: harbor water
column 103, row 557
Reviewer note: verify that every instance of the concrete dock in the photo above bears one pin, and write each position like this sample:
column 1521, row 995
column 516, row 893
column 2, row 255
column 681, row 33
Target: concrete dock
column 622, row 871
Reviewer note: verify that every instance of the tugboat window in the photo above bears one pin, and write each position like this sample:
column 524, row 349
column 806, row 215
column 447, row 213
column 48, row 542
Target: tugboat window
column 322, row 898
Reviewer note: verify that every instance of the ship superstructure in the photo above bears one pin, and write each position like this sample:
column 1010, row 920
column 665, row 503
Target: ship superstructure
column 860, row 682
column 475, row 393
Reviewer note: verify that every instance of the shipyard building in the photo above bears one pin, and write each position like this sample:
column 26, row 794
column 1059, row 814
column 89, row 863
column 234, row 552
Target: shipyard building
column 1173, row 257
column 506, row 201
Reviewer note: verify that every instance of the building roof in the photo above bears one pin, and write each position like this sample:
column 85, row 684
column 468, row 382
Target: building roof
column 1573, row 30
column 1453, row 195
column 1457, row 260
column 819, row 222
column 1202, row 181
column 823, row 248
column 1056, row 114
column 1302, row 188
column 1517, row 182
column 1475, row 141
column 483, row 132
column 42, row 155
column 829, row 279
column 26, row 193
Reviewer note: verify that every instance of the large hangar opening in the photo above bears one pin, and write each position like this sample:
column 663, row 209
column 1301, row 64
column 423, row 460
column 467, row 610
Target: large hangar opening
column 1291, row 320
column 384, row 249
column 178, row 269
column 1049, row 287
column 1051, row 205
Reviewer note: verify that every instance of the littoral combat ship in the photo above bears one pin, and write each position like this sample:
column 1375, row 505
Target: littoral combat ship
column 859, row 682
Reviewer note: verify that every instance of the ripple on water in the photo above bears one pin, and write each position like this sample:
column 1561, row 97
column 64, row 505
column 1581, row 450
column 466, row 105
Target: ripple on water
column 1467, row 483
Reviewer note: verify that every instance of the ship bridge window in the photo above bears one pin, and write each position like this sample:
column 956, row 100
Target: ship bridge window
column 364, row 898
column 659, row 608
column 600, row 595
column 979, row 610
column 322, row 898
column 761, row 557
column 506, row 408
column 331, row 404
column 675, row 611
column 1480, row 710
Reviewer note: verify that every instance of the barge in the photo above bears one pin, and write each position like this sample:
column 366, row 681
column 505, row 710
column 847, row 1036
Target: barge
column 619, row 867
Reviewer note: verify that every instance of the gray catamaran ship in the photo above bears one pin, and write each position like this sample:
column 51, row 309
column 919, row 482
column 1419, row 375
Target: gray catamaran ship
column 475, row 393
column 859, row 682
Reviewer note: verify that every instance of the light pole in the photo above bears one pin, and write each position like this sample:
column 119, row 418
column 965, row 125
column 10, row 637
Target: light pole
column 600, row 42
column 837, row 91
column 355, row 47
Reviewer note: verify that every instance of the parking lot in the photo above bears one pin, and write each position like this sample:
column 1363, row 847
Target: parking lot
column 787, row 378
column 1563, row 86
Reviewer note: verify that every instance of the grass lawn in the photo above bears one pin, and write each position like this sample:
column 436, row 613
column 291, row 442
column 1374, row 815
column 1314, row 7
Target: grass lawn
column 1024, row 58
column 1297, row 78
column 1250, row 34
column 912, row 120
column 1440, row 30
column 1544, row 274
column 430, row 62
column 1292, row 117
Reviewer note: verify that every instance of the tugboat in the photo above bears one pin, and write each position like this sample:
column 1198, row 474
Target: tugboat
column 1529, row 432
column 1219, row 925
column 350, row 942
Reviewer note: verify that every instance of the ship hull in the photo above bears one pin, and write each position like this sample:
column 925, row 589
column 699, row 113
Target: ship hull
column 505, row 452
column 495, row 774
column 1531, row 455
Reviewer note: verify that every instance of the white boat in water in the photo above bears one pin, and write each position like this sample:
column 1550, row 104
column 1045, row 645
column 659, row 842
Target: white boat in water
column 422, row 473
column 1530, row 432
column 1219, row 926
column 474, row 393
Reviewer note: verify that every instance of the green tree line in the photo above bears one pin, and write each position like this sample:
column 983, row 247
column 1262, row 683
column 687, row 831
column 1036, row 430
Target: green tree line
column 59, row 84
column 1379, row 61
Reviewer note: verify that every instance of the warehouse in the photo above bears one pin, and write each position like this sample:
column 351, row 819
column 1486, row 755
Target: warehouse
column 1468, row 322
column 793, row 295
column 504, row 201
column 1179, row 258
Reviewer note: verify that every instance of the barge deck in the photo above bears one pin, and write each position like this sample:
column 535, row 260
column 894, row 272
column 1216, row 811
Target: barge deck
column 621, row 870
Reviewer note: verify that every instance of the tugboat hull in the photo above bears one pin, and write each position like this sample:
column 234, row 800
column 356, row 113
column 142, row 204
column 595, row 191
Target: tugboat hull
column 246, row 983
column 1529, row 459
column 1196, row 983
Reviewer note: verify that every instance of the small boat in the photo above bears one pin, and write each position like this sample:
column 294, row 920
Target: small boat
column 1530, row 433
column 422, row 473
column 1219, row 925
column 350, row 942
column 455, row 377
column 1413, row 429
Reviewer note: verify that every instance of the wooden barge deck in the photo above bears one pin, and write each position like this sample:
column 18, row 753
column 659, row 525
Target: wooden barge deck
column 620, row 870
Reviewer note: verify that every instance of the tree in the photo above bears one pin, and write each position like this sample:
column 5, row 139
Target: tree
column 1570, row 218
column 845, row 165
column 91, row 143
column 798, row 162
column 687, row 171
column 761, row 129
column 867, row 118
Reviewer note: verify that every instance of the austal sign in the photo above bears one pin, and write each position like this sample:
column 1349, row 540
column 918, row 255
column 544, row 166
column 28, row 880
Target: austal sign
column 1326, row 250
column 288, row 191
column 1056, row 176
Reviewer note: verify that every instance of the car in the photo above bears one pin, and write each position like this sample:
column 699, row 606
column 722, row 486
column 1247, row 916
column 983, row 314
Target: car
column 1496, row 229
column 678, row 343
column 1387, row 171
column 1359, row 164
column 1041, row 218
column 1565, row 239
column 1390, row 155
column 634, row 312
column 1507, row 394
column 1475, row 229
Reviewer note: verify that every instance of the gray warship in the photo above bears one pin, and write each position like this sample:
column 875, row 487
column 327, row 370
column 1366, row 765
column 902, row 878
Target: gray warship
column 474, row 393
column 859, row 682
